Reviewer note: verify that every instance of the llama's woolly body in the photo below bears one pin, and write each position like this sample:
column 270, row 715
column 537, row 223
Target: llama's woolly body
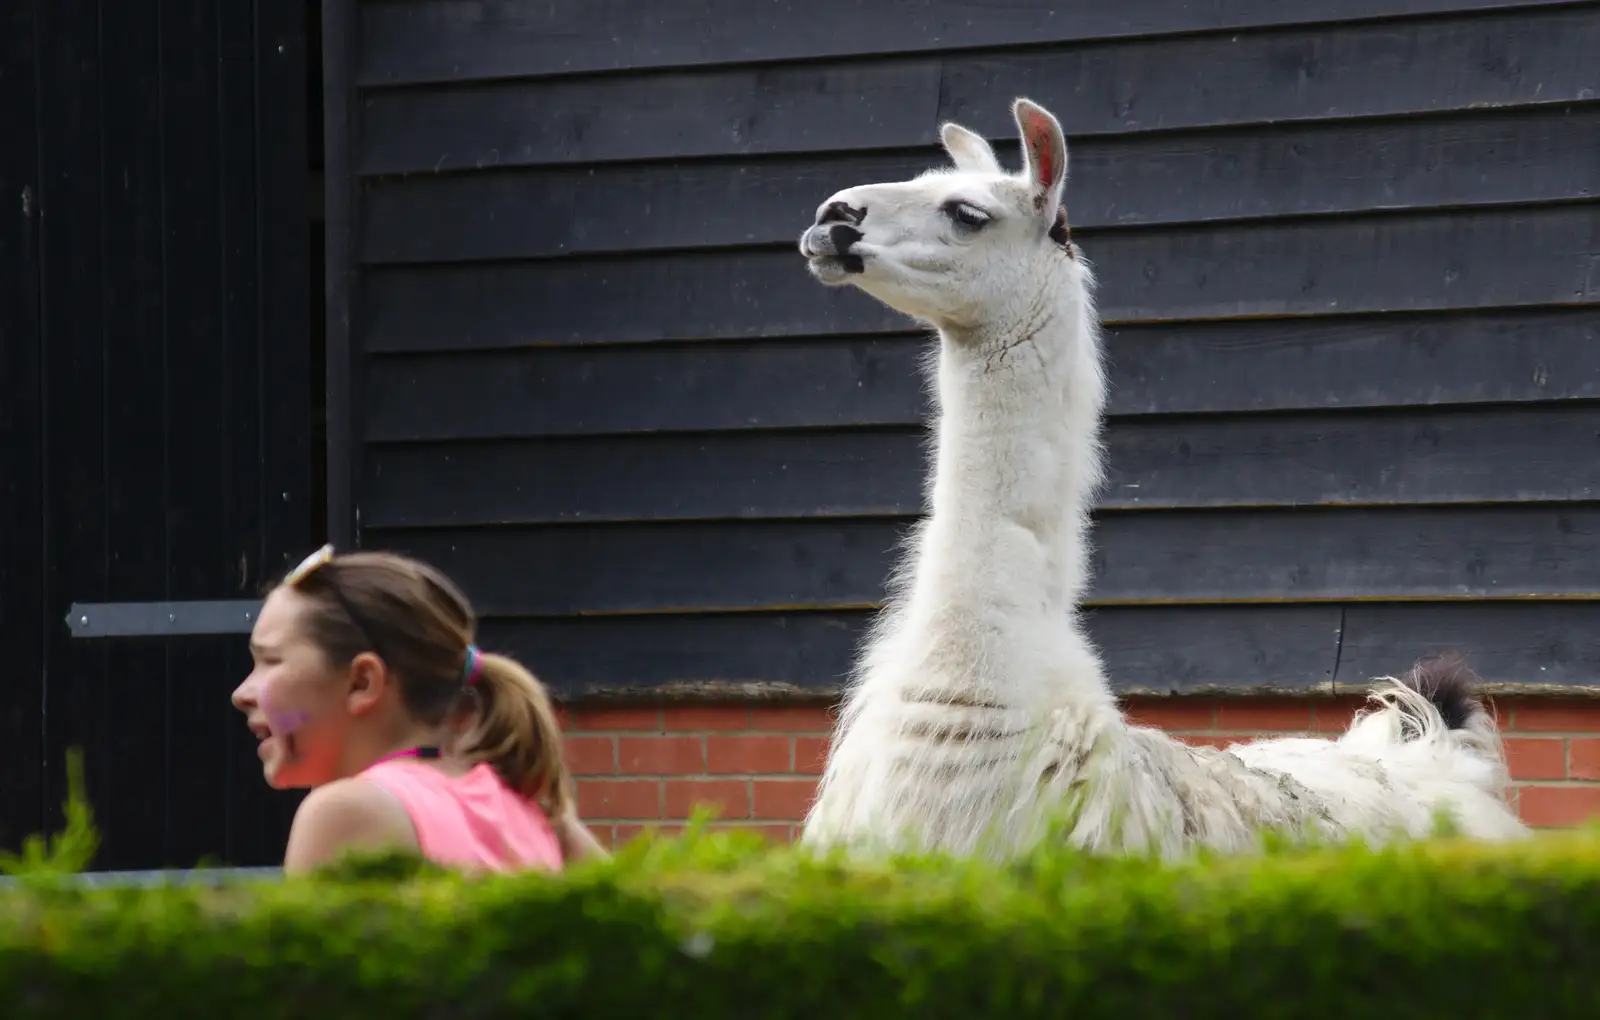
column 980, row 713
column 942, row 781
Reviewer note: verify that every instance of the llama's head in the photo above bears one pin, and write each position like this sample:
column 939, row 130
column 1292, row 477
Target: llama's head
column 960, row 249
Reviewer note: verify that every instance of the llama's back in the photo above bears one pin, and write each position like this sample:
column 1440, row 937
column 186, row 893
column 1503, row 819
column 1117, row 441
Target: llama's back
column 1146, row 791
column 1426, row 747
column 1396, row 789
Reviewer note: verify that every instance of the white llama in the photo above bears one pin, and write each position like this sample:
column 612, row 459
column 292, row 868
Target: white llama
column 980, row 708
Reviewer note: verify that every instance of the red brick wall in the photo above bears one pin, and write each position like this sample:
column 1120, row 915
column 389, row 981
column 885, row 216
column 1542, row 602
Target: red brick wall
column 648, row 765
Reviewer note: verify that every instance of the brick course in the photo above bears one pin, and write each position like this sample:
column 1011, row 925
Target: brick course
column 649, row 765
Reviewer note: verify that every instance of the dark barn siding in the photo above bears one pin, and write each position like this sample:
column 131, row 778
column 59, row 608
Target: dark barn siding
column 1349, row 254
column 153, row 321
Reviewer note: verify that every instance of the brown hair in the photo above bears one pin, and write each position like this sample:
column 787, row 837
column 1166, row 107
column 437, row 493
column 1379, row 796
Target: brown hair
column 421, row 625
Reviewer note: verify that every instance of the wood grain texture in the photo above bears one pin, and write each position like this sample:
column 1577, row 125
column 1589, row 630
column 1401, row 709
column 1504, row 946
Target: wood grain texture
column 855, row 473
column 171, row 220
column 1505, row 454
column 1514, row 646
column 23, row 614
column 1161, row 650
column 343, row 361
column 1167, row 557
column 275, row 505
column 1412, row 552
column 209, row 304
column 1347, row 255
column 72, row 264
column 135, row 301
column 1481, row 259
column 1190, row 368
column 1147, row 650
column 1480, row 158
column 1513, row 58
column 412, row 41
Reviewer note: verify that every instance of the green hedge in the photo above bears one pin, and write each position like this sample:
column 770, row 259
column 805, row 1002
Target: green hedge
column 715, row 927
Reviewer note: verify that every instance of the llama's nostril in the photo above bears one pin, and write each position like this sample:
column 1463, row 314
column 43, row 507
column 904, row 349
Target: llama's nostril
column 842, row 212
column 843, row 237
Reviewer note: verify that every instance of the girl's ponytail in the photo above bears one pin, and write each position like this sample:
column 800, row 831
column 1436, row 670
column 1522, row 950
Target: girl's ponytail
column 515, row 730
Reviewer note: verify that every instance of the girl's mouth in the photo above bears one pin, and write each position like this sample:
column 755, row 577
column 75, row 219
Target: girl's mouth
column 276, row 746
column 277, row 732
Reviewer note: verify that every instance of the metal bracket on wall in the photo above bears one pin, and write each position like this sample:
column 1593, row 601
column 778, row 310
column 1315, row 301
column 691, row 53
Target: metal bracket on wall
column 161, row 619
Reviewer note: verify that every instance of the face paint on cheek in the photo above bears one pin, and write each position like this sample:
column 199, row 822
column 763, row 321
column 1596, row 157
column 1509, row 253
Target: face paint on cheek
column 284, row 723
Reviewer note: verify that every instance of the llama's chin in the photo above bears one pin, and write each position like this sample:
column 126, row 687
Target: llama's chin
column 835, row 270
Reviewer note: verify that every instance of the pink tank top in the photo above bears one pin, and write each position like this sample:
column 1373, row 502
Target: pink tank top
column 473, row 821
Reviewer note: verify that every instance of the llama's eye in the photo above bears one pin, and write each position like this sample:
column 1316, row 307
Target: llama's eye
column 969, row 216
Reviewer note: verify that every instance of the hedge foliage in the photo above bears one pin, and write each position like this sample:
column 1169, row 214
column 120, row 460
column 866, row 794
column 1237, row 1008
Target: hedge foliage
column 709, row 927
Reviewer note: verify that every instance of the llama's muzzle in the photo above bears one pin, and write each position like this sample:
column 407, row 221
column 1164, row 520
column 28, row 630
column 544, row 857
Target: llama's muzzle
column 832, row 242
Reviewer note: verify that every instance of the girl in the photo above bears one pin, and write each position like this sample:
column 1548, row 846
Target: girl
column 368, row 689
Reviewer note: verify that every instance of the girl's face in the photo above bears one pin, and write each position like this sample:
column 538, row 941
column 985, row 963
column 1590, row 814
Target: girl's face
column 297, row 705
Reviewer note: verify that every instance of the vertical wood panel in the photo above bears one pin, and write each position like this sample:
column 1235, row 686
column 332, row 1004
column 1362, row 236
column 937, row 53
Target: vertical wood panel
column 72, row 280
column 340, row 20
column 202, row 291
column 138, row 207
column 22, row 617
column 234, row 563
column 282, row 374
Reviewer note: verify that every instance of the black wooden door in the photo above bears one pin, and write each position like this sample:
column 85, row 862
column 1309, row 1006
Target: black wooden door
column 21, row 432
column 154, row 296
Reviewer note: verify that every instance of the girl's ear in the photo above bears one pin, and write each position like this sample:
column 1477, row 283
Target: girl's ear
column 368, row 680
column 1044, row 151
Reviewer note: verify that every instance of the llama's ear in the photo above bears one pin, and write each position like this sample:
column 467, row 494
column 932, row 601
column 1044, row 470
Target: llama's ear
column 968, row 149
column 1044, row 151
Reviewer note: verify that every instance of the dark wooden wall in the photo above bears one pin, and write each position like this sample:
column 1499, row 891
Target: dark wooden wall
column 1350, row 264
column 154, row 400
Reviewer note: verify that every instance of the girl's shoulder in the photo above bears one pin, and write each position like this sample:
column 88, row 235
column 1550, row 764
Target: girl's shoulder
column 345, row 815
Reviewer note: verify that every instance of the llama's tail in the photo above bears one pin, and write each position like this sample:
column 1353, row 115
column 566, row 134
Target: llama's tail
column 1435, row 703
column 1447, row 684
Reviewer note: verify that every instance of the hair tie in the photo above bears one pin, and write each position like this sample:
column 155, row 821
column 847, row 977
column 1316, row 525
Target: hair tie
column 473, row 666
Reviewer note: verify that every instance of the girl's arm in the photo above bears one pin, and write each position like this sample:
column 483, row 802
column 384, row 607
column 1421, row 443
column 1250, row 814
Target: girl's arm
column 577, row 842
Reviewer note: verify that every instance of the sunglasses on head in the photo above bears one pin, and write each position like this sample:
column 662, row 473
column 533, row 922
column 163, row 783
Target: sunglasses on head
column 310, row 565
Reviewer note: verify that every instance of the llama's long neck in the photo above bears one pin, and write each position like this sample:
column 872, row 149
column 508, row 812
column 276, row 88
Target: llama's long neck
column 989, row 605
column 981, row 651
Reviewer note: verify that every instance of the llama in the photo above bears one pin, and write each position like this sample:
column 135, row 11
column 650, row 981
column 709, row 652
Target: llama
column 979, row 712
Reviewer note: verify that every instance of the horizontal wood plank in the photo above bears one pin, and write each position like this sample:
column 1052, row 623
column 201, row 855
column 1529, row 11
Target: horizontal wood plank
column 1514, row 646
column 1387, row 262
column 1169, row 557
column 1355, row 362
column 1336, row 554
column 855, row 473
column 1530, row 56
column 648, row 387
column 1162, row 650
column 1504, row 59
column 1147, row 650
column 1135, row 180
column 1504, row 454
column 1256, row 365
column 736, row 111
column 414, row 41
column 1500, row 455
